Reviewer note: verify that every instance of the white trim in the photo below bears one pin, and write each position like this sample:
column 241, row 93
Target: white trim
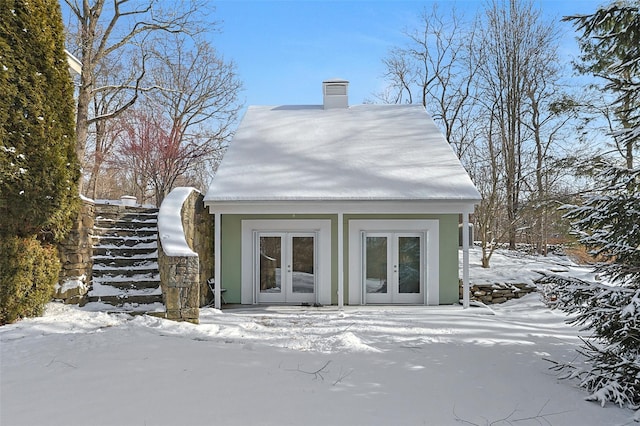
column 250, row 228
column 345, row 207
column 392, row 295
column 74, row 63
column 465, row 260
column 429, row 227
column 363, row 258
column 218, row 261
column 286, row 293
column 340, row 261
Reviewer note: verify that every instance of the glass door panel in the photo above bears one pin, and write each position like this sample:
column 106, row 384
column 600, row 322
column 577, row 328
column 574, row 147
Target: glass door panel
column 376, row 274
column 409, row 260
column 286, row 269
column 303, row 261
column 270, row 264
column 393, row 268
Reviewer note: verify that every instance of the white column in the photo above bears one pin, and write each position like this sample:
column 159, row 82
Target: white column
column 217, row 253
column 340, row 261
column 465, row 260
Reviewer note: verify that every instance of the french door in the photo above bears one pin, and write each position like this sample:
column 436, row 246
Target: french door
column 393, row 270
column 286, row 267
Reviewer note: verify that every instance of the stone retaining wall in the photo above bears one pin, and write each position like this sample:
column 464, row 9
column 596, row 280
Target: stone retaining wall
column 75, row 254
column 179, row 280
column 497, row 292
column 198, row 228
column 185, row 260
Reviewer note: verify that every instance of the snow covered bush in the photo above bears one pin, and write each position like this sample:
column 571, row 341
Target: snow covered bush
column 609, row 225
column 28, row 274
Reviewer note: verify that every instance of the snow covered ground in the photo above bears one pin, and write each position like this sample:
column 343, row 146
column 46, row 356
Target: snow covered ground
column 293, row 366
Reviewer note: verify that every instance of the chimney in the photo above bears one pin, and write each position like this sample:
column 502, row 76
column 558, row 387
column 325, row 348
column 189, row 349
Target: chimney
column 335, row 93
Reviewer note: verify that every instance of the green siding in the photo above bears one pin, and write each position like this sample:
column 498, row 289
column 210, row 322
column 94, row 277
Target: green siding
column 449, row 292
column 231, row 260
column 448, row 242
column 231, row 235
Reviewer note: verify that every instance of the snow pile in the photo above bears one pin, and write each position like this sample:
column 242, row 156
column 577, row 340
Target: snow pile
column 513, row 267
column 170, row 223
column 72, row 283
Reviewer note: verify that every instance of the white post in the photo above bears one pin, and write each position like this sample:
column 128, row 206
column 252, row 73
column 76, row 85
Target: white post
column 217, row 254
column 465, row 260
column 340, row 262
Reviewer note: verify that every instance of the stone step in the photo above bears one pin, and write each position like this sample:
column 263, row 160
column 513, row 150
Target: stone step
column 108, row 287
column 121, row 300
column 126, row 215
column 102, row 223
column 133, row 309
column 125, row 256
column 122, row 242
column 146, row 231
column 150, row 252
column 142, row 272
column 116, row 209
column 100, row 262
column 129, row 219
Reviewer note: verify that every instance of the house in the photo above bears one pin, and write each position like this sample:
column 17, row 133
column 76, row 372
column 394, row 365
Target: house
column 338, row 204
column 75, row 66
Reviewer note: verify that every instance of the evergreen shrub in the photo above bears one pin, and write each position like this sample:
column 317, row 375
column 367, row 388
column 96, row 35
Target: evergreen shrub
column 39, row 168
column 28, row 274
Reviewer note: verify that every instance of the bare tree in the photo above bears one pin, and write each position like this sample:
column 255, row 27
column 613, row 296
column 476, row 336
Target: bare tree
column 520, row 51
column 546, row 121
column 107, row 27
column 488, row 177
column 188, row 122
column 113, row 80
column 437, row 69
column 490, row 84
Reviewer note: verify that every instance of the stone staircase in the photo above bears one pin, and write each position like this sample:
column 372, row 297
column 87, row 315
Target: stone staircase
column 125, row 273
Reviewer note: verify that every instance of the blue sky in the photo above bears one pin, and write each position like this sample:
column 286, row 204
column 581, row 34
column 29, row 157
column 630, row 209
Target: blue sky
column 285, row 49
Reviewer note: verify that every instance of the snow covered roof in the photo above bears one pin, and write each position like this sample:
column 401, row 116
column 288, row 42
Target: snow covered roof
column 363, row 152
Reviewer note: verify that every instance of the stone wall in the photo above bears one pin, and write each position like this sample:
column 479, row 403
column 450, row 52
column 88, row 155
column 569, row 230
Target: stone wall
column 75, row 254
column 185, row 260
column 497, row 292
column 179, row 277
column 198, row 228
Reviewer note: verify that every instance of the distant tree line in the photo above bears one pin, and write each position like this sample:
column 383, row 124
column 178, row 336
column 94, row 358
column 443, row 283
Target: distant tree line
column 514, row 113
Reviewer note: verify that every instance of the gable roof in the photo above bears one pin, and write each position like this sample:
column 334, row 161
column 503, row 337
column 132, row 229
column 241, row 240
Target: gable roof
column 363, row 152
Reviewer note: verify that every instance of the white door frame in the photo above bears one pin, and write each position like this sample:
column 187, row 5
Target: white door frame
column 393, row 294
column 431, row 276
column 286, row 293
column 249, row 264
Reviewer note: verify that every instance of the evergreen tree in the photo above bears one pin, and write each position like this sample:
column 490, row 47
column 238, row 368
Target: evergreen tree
column 610, row 47
column 608, row 222
column 609, row 225
column 39, row 168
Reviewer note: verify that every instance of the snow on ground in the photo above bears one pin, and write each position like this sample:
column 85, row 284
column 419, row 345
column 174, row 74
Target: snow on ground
column 293, row 365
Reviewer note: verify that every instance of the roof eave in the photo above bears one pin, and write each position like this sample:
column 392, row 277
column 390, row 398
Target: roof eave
column 448, row 206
